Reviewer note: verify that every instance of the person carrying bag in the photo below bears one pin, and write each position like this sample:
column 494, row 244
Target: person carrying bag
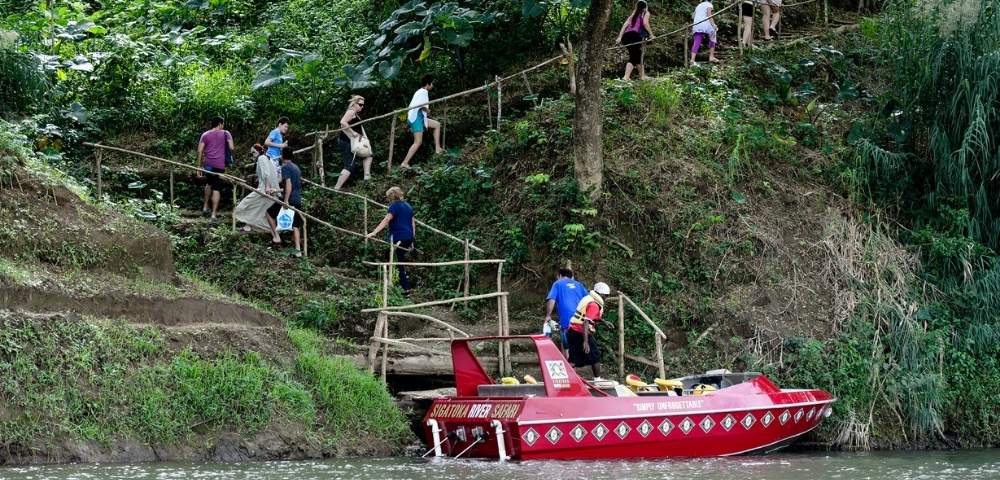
column 353, row 145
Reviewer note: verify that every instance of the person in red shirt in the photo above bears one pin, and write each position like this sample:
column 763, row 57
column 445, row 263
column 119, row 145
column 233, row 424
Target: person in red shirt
column 582, row 346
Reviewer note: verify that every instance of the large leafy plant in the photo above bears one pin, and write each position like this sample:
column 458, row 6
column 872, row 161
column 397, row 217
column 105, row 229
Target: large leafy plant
column 415, row 31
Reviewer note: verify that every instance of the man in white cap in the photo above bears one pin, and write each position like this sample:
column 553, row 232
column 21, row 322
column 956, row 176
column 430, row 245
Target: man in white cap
column 582, row 346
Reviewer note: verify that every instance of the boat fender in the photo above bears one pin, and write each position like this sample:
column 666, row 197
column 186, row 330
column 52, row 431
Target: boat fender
column 634, row 382
column 528, row 379
column 703, row 389
column 509, row 381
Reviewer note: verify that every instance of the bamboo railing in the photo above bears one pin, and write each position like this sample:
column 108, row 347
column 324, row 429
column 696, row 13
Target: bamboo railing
column 235, row 181
column 381, row 340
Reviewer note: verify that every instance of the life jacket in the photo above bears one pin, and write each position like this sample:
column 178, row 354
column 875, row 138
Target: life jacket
column 581, row 309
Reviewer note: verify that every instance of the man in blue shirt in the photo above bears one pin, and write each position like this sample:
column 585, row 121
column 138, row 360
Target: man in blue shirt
column 565, row 294
column 275, row 141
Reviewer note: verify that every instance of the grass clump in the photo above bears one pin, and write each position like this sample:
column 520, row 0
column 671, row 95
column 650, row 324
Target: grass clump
column 80, row 379
column 353, row 400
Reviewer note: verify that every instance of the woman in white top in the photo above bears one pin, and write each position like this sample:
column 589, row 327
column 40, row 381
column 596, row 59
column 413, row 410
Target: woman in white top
column 419, row 120
column 771, row 16
column 704, row 29
column 252, row 210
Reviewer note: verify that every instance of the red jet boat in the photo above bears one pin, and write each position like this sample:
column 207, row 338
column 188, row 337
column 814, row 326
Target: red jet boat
column 565, row 417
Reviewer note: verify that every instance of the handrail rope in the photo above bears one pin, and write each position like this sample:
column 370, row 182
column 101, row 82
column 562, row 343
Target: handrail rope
column 236, row 181
column 436, row 100
column 535, row 67
column 529, row 69
column 382, row 205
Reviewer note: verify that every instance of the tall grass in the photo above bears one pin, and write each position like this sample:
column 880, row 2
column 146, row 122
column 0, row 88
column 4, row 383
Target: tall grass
column 946, row 74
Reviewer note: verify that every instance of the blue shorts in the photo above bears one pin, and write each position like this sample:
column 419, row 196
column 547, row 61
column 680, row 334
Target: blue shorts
column 417, row 126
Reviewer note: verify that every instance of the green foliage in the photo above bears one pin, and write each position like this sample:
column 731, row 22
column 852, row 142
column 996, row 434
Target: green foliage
column 106, row 381
column 415, row 30
column 336, row 383
column 454, row 194
column 318, row 315
column 563, row 19
column 663, row 97
column 22, row 83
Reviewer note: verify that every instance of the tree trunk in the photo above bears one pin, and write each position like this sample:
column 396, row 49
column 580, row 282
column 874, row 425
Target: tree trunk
column 587, row 151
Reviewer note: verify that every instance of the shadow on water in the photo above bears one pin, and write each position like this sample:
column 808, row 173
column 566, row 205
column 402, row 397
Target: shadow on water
column 964, row 464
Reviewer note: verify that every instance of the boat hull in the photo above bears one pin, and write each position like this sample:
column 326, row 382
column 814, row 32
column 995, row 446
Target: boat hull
column 621, row 428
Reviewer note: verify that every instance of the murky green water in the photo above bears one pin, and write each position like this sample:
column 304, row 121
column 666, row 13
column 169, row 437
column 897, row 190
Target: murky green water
column 965, row 465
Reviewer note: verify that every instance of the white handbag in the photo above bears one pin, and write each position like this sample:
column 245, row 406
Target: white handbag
column 360, row 146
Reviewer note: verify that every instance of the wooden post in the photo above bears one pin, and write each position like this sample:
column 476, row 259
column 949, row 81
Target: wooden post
column 319, row 158
column 687, row 56
column 659, row 355
column 568, row 52
column 373, row 348
column 506, row 331
column 233, row 185
column 500, row 350
column 444, row 117
column 621, row 336
column 739, row 27
column 98, row 154
column 528, row 84
column 465, row 289
column 365, row 220
column 388, row 276
column 171, row 186
column 499, row 101
column 305, row 237
column 385, row 350
column 508, row 368
column 826, row 13
column 489, row 104
column 392, row 144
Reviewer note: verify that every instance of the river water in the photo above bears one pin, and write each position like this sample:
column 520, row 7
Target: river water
column 962, row 464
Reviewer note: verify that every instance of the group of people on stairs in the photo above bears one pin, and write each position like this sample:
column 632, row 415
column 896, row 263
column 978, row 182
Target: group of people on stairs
column 278, row 175
column 636, row 31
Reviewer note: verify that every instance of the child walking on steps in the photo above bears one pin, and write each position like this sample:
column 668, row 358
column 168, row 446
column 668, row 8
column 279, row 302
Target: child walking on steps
column 704, row 30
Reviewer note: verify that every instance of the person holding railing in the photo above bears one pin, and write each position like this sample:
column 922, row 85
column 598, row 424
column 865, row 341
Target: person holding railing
column 582, row 346
column 291, row 188
column 402, row 231
column 419, row 120
column 344, row 141
column 634, row 32
column 704, row 30
column 213, row 148
column 252, row 210
column 275, row 142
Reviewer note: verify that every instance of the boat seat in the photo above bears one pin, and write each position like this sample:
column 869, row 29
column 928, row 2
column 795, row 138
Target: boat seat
column 521, row 390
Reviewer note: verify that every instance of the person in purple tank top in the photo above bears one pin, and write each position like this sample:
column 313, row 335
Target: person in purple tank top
column 212, row 151
column 635, row 31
